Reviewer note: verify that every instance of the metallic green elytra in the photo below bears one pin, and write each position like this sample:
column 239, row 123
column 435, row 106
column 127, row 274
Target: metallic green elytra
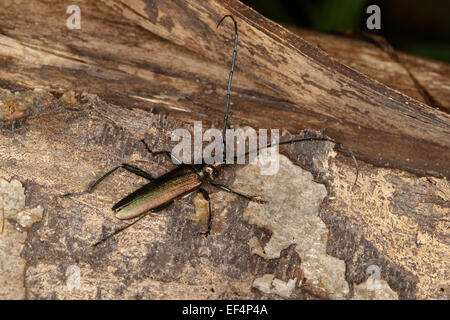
column 158, row 192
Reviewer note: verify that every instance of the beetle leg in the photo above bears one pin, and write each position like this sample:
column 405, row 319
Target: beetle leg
column 162, row 207
column 170, row 155
column 225, row 188
column 206, row 196
column 125, row 166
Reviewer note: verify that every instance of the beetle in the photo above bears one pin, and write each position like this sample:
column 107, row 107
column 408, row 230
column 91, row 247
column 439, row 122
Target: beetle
column 159, row 193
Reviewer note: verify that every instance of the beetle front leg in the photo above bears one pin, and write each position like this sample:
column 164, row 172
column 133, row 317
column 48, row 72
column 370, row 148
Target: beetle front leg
column 169, row 154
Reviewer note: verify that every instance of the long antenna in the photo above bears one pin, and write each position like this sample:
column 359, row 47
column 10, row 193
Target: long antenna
column 225, row 118
column 308, row 139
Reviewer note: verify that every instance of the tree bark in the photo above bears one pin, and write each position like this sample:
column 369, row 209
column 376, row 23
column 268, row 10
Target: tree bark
column 169, row 56
column 75, row 103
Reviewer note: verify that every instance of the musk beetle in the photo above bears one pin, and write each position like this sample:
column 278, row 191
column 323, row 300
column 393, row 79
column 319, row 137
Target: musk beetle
column 160, row 192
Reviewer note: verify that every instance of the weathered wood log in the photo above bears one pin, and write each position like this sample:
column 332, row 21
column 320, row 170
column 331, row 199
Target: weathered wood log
column 168, row 56
column 308, row 241
column 293, row 246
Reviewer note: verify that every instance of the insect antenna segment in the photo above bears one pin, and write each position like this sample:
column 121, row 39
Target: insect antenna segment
column 230, row 77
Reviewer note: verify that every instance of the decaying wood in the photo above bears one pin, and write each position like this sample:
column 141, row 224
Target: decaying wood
column 376, row 63
column 391, row 219
column 167, row 55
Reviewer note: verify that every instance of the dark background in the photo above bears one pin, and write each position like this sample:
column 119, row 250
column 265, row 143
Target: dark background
column 415, row 26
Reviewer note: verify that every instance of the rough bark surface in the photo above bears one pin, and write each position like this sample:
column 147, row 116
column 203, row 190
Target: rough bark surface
column 168, row 55
column 139, row 61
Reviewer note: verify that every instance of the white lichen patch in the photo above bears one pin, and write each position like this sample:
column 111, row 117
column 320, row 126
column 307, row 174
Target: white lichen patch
column 269, row 284
column 12, row 207
column 291, row 213
column 374, row 289
column 28, row 217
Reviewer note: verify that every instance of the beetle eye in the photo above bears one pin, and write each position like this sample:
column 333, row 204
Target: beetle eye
column 211, row 172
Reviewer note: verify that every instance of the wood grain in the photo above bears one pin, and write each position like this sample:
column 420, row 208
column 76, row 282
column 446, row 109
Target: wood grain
column 168, row 55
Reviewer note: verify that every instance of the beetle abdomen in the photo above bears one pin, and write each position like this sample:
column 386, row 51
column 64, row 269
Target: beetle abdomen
column 157, row 193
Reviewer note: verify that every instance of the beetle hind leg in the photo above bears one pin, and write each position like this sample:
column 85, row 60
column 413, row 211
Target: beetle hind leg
column 160, row 208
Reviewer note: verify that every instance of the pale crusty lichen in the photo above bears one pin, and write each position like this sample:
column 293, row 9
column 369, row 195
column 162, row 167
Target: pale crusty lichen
column 12, row 208
column 269, row 284
column 14, row 105
column 291, row 212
